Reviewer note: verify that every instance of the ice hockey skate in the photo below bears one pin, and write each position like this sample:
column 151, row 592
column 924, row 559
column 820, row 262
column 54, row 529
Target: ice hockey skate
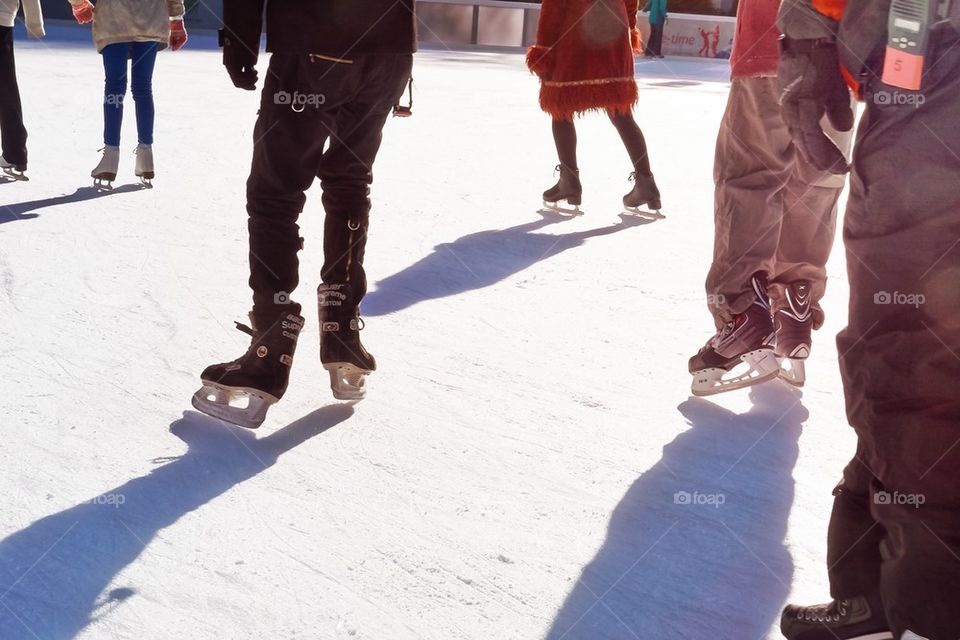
column 241, row 392
column 794, row 323
column 106, row 171
column 144, row 165
column 860, row 618
column 16, row 172
column 341, row 352
column 740, row 354
column 565, row 197
column 644, row 194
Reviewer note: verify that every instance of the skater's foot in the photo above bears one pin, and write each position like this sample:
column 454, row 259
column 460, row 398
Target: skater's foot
column 144, row 164
column 341, row 352
column 644, row 194
column 14, row 170
column 741, row 353
column 106, row 171
column 242, row 391
column 568, row 190
column 794, row 320
column 860, row 618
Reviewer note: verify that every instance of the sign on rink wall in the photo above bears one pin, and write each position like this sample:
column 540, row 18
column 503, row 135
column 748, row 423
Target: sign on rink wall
column 694, row 35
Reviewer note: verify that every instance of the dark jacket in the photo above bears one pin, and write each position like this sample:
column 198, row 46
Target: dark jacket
column 338, row 28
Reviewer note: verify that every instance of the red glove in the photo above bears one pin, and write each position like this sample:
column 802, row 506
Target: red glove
column 83, row 12
column 178, row 34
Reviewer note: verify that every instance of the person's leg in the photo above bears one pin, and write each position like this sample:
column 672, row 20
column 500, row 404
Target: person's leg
column 633, row 140
column 657, row 36
column 899, row 353
column 565, row 138
column 141, row 86
column 115, row 58
column 346, row 170
column 12, row 131
column 751, row 166
column 288, row 146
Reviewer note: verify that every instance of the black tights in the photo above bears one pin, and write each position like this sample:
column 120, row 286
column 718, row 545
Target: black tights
column 565, row 137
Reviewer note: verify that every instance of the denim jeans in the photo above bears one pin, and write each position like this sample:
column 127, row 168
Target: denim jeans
column 143, row 57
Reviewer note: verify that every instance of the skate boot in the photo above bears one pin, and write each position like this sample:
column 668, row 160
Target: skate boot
column 15, row 171
column 242, row 391
column 645, row 192
column 341, row 352
column 568, row 189
column 794, row 322
column 106, row 172
column 860, row 618
column 144, row 166
column 747, row 340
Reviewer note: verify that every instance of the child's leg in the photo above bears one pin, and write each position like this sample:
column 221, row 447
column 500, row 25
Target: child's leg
column 633, row 140
column 144, row 60
column 11, row 117
column 115, row 89
column 565, row 137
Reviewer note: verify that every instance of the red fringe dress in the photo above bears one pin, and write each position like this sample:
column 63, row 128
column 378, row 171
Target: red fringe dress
column 584, row 56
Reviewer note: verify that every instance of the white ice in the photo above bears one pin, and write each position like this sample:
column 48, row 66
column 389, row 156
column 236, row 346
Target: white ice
column 512, row 473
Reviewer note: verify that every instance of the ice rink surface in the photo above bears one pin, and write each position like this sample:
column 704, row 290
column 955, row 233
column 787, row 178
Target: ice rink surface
column 515, row 470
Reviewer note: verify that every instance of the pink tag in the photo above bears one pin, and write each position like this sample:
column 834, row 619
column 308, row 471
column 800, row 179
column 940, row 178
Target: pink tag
column 902, row 69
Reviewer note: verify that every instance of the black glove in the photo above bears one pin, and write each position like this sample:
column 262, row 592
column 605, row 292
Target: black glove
column 240, row 61
column 811, row 85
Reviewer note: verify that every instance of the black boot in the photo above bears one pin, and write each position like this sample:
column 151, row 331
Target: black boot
column 567, row 188
column 341, row 352
column 260, row 376
column 645, row 192
column 850, row 619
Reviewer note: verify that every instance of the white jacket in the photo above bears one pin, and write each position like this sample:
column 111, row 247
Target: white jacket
column 31, row 11
column 132, row 21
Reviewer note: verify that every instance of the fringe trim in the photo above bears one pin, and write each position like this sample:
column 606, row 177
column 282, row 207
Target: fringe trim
column 565, row 100
column 636, row 40
column 538, row 59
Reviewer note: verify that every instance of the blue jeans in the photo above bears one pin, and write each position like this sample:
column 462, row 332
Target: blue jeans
column 115, row 56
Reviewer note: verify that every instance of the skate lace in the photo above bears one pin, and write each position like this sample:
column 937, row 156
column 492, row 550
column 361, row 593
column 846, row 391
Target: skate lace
column 820, row 614
column 632, row 177
column 247, row 330
column 556, row 170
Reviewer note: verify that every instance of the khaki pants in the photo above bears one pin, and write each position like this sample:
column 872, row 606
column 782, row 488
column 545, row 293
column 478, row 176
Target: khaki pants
column 773, row 211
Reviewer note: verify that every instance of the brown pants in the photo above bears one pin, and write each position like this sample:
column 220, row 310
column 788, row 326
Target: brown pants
column 773, row 211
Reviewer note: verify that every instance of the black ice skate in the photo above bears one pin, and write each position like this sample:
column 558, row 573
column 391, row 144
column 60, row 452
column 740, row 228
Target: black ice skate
column 242, row 391
column 341, row 352
column 747, row 340
column 568, row 189
column 644, row 193
column 859, row 618
column 794, row 325
column 15, row 171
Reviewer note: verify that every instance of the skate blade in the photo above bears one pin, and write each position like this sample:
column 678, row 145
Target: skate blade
column 18, row 176
column 146, row 181
column 347, row 381
column 237, row 405
column 761, row 367
column 643, row 214
column 793, row 371
column 104, row 182
column 555, row 208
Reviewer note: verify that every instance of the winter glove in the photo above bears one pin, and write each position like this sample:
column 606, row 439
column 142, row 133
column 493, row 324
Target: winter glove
column 83, row 11
column 240, row 61
column 811, row 85
column 178, row 34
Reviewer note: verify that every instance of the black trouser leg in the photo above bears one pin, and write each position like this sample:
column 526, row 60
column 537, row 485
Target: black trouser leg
column 346, row 169
column 656, row 39
column 634, row 141
column 12, row 131
column 565, row 137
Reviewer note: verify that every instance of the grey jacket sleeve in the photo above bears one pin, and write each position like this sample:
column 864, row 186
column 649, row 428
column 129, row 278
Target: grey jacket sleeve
column 798, row 20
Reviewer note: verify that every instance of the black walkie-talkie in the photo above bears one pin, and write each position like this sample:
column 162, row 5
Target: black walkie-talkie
column 910, row 25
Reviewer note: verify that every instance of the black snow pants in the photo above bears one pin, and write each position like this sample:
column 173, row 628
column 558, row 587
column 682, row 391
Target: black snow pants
column 896, row 518
column 12, row 132
column 319, row 118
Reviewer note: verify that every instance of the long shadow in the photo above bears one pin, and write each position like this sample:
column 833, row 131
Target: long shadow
column 476, row 261
column 53, row 573
column 696, row 547
column 22, row 210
